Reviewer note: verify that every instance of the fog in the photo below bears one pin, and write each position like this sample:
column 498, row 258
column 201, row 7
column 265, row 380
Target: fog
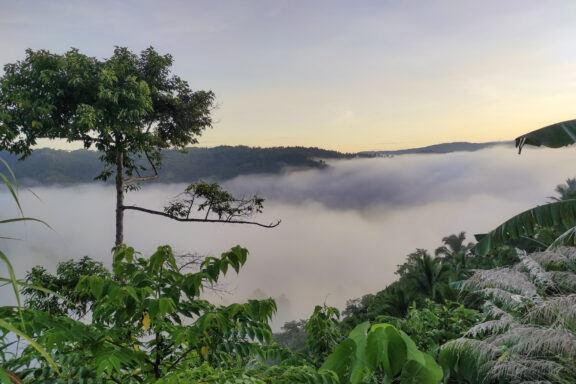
column 343, row 232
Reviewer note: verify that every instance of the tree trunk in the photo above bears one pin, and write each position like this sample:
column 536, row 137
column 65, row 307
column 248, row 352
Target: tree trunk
column 119, row 198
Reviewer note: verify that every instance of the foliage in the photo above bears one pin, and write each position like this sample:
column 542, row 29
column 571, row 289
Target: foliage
column 148, row 321
column 566, row 191
column 128, row 107
column 428, row 275
column 293, row 335
column 561, row 214
column 68, row 274
column 553, row 136
column 433, row 324
column 380, row 349
column 212, row 199
column 125, row 104
column 422, row 277
column 529, row 329
column 50, row 166
column 322, row 332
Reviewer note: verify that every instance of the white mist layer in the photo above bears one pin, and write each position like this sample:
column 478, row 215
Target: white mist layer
column 344, row 229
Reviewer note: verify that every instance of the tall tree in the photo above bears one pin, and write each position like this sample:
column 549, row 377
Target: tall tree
column 566, row 191
column 455, row 253
column 129, row 107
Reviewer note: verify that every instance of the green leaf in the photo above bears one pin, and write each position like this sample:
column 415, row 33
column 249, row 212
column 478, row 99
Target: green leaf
column 561, row 213
column 33, row 343
column 340, row 360
column 14, row 283
column 4, row 377
column 553, row 136
column 414, row 372
column 386, row 349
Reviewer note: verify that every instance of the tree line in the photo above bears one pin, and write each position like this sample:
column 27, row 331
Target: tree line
column 50, row 166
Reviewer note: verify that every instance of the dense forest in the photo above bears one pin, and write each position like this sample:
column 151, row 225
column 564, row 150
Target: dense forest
column 50, row 166
column 502, row 310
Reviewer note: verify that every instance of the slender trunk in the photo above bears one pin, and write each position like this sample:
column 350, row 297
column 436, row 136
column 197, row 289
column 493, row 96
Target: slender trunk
column 119, row 198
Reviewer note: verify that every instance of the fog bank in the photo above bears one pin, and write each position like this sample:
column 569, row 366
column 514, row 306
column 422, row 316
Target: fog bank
column 344, row 229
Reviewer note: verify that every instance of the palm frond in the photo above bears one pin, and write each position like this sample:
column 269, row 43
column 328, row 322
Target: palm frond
column 538, row 274
column 558, row 312
column 491, row 327
column 549, row 257
column 502, row 278
column 564, row 281
column 536, row 342
column 495, row 312
column 524, row 369
column 469, row 359
column 505, row 299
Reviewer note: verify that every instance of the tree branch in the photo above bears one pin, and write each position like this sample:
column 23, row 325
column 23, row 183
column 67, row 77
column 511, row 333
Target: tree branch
column 159, row 213
column 145, row 178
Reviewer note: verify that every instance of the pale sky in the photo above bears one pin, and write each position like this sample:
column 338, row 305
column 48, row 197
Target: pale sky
column 344, row 75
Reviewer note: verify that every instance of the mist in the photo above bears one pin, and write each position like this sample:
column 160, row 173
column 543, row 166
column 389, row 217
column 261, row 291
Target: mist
column 344, row 229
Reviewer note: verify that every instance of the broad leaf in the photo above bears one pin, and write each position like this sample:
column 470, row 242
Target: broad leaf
column 553, row 136
column 386, row 349
column 562, row 213
column 416, row 373
column 340, row 360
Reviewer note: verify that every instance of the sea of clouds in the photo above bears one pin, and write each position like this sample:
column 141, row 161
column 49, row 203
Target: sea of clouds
column 344, row 229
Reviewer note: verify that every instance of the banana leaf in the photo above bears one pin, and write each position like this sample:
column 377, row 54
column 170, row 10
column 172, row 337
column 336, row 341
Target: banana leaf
column 553, row 136
column 561, row 214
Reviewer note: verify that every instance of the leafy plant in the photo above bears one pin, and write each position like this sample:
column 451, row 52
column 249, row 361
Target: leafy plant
column 560, row 214
column 381, row 349
column 322, row 333
column 431, row 324
column 148, row 321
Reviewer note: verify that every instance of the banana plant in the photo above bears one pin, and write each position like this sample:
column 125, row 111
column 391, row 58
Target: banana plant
column 560, row 214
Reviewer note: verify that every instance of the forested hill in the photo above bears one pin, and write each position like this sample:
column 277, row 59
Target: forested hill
column 459, row 146
column 49, row 166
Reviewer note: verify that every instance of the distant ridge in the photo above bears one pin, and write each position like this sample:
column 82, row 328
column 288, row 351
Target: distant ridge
column 458, row 146
column 49, row 166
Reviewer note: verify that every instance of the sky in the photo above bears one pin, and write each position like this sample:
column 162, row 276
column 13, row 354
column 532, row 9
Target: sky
column 343, row 75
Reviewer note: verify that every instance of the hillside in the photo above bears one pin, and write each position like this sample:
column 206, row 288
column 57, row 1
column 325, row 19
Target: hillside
column 459, row 146
column 50, row 166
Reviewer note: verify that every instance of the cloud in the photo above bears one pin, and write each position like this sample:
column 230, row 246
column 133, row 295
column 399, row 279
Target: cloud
column 344, row 229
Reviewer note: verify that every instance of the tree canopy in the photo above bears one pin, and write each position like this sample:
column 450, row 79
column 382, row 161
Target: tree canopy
column 127, row 104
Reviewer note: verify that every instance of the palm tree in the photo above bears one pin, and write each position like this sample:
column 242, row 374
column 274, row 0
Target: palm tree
column 566, row 191
column 455, row 253
column 428, row 274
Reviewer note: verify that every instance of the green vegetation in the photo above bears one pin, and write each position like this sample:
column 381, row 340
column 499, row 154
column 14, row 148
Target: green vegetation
column 501, row 311
column 50, row 166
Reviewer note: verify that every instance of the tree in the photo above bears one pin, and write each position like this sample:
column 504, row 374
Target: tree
column 455, row 253
column 129, row 107
column 566, row 191
column 428, row 274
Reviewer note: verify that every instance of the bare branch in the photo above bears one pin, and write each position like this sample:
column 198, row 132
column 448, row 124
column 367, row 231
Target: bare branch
column 159, row 213
column 145, row 178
